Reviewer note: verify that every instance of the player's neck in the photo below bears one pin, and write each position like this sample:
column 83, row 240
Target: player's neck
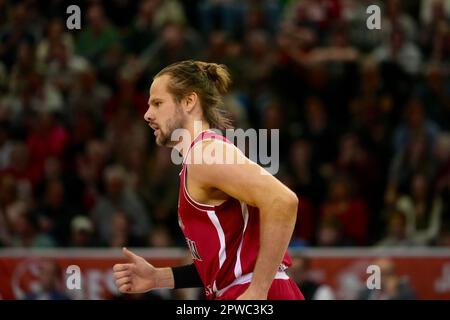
column 194, row 129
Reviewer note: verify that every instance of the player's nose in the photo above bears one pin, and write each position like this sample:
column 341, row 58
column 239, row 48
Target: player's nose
column 149, row 116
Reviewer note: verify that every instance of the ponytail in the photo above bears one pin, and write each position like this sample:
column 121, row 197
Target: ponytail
column 209, row 80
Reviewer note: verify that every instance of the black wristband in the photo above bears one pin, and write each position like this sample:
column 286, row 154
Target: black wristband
column 186, row 277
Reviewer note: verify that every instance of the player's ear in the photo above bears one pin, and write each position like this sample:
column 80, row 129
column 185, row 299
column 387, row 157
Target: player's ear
column 189, row 101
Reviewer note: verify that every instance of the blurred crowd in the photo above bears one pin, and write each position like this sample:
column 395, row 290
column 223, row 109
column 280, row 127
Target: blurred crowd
column 364, row 116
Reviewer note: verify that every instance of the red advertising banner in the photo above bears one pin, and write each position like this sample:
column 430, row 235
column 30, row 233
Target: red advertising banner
column 345, row 271
column 429, row 277
column 19, row 270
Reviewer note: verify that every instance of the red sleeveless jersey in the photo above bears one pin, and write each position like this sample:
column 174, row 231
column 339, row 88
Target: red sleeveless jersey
column 223, row 239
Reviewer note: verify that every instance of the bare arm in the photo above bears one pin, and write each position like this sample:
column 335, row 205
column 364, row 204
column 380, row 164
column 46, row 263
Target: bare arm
column 277, row 207
column 138, row 276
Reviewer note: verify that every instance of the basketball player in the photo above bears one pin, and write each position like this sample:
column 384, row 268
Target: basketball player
column 236, row 220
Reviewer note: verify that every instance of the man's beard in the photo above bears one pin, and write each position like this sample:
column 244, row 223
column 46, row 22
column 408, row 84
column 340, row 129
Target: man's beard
column 164, row 137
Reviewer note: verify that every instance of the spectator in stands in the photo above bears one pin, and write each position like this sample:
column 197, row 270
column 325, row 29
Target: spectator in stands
column 307, row 180
column 441, row 184
column 163, row 197
column 416, row 124
column 98, row 36
column 444, row 236
column 127, row 98
column 25, row 229
column 313, row 289
column 26, row 175
column 55, row 213
column 120, row 234
column 143, row 30
column 434, row 15
column 160, row 237
column 330, row 234
column 435, row 94
column 18, row 31
column 396, row 233
column 351, row 212
column 5, row 145
column 119, row 197
column 319, row 132
column 8, row 198
column 49, row 283
column 358, row 164
column 399, row 50
column 175, row 42
column 89, row 166
column 48, row 138
column 56, row 33
column 416, row 158
column 87, row 94
column 423, row 211
column 82, row 232
column 442, row 154
column 393, row 286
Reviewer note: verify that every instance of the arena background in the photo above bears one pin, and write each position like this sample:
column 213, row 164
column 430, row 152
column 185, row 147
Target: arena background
column 364, row 119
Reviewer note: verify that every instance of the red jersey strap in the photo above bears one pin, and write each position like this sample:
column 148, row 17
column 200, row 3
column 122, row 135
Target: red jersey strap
column 204, row 135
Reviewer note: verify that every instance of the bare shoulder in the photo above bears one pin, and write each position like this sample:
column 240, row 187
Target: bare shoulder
column 237, row 176
column 216, row 152
column 215, row 159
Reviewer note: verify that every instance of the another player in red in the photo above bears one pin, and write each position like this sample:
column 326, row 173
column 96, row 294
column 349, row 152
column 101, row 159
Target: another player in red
column 237, row 218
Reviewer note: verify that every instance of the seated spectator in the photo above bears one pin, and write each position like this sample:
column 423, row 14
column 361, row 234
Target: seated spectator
column 82, row 232
column 349, row 211
column 119, row 197
column 416, row 123
column 56, row 33
column 95, row 38
column 5, row 145
column 160, row 237
column 306, row 179
column 312, row 289
column 416, row 158
column 120, row 232
column 444, row 236
column 8, row 200
column 17, row 32
column 305, row 223
column 49, row 283
column 87, row 94
column 435, row 94
column 358, row 164
column 400, row 51
column 25, row 229
column 26, row 174
column 396, row 235
column 330, row 234
column 48, row 138
column 393, row 286
column 442, row 154
column 55, row 213
column 423, row 212
column 319, row 132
